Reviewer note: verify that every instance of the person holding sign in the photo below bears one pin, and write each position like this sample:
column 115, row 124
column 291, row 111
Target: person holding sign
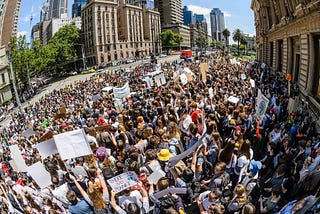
column 93, row 197
column 132, row 207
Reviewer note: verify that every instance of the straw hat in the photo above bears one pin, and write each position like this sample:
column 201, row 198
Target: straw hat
column 164, row 155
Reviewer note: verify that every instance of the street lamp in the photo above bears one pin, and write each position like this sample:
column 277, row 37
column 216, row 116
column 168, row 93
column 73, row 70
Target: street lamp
column 14, row 82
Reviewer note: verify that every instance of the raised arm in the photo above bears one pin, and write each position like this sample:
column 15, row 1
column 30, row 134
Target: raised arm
column 102, row 182
column 83, row 193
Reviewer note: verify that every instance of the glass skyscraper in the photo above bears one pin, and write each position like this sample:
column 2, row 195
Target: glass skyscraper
column 77, row 6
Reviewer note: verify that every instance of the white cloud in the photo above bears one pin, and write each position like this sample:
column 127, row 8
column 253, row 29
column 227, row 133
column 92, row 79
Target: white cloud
column 22, row 33
column 226, row 13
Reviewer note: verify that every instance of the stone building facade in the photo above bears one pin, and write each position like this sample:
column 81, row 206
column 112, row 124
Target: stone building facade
column 288, row 40
column 114, row 31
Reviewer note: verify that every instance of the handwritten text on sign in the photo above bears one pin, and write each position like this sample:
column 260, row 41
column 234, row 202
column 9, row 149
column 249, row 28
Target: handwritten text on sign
column 123, row 181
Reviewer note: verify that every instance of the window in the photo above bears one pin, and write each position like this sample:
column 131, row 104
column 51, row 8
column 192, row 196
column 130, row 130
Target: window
column 3, row 79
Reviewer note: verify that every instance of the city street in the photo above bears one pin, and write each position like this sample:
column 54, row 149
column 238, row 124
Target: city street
column 71, row 79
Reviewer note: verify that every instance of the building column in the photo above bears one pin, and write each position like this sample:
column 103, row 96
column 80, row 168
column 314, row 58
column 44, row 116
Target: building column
column 290, row 56
column 310, row 74
column 285, row 55
column 275, row 55
column 304, row 57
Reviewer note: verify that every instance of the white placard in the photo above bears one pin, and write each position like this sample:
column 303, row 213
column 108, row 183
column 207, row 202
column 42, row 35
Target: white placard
column 123, row 181
column 121, row 92
column 156, row 175
column 243, row 76
column 211, row 95
column 39, row 174
column 233, row 99
column 253, row 83
column 183, row 79
column 28, row 133
column 96, row 97
column 160, row 79
column 17, row 158
column 47, row 148
column 72, row 144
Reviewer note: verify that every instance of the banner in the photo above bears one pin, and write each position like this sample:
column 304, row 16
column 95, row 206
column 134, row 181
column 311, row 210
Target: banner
column 262, row 105
column 47, row 148
column 160, row 79
column 123, row 181
column 203, row 69
column 72, row 144
column 170, row 190
column 39, row 174
column 121, row 92
column 19, row 163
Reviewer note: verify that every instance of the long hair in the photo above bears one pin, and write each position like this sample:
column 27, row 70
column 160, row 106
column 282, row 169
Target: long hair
column 96, row 197
column 240, row 193
column 245, row 149
column 173, row 130
column 227, row 151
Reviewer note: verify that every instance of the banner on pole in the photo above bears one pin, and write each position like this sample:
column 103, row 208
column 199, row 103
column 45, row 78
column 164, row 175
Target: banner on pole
column 121, row 92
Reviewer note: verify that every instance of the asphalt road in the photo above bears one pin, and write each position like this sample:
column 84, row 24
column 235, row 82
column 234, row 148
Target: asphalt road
column 71, row 79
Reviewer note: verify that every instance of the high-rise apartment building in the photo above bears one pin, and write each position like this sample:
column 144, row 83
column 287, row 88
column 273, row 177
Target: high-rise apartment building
column 217, row 24
column 57, row 8
column 109, row 36
column 9, row 14
column 77, row 6
column 172, row 19
column 187, row 16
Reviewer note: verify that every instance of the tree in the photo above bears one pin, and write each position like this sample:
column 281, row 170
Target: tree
column 170, row 39
column 202, row 41
column 217, row 44
column 237, row 36
column 244, row 42
column 226, row 34
column 63, row 42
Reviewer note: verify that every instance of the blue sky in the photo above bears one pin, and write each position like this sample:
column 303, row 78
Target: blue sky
column 237, row 13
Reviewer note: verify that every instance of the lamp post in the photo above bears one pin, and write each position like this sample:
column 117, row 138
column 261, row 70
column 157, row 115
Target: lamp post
column 153, row 42
column 14, row 84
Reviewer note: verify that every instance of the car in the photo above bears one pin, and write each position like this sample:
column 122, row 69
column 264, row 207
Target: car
column 162, row 55
column 147, row 57
column 100, row 71
column 129, row 61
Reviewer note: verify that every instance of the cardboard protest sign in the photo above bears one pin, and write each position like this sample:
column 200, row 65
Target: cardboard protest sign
column 262, row 105
column 160, row 79
column 176, row 76
column 13, row 165
column 211, row 94
column 17, row 158
column 121, row 92
column 183, row 79
column 47, row 148
column 28, row 133
column 47, row 136
column 39, row 174
column 204, row 67
column 243, row 76
column 156, row 175
column 189, row 77
column 233, row 99
column 72, row 144
column 123, row 181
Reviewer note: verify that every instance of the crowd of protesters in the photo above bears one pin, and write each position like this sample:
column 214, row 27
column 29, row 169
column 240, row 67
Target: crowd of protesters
column 244, row 164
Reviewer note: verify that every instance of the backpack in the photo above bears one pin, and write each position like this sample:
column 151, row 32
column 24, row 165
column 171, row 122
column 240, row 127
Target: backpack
column 164, row 203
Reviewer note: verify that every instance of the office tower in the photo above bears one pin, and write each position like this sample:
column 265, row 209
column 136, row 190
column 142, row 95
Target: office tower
column 217, row 24
column 198, row 18
column 77, row 6
column 187, row 16
column 57, row 9
column 9, row 14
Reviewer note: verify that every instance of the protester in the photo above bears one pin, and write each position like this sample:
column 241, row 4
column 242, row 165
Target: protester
column 201, row 144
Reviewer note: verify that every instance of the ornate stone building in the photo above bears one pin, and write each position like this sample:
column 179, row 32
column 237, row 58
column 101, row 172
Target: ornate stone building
column 114, row 30
column 288, row 40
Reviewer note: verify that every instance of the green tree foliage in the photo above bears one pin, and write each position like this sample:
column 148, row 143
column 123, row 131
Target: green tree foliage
column 237, row 37
column 202, row 42
column 217, row 44
column 170, row 39
column 226, row 34
column 61, row 48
